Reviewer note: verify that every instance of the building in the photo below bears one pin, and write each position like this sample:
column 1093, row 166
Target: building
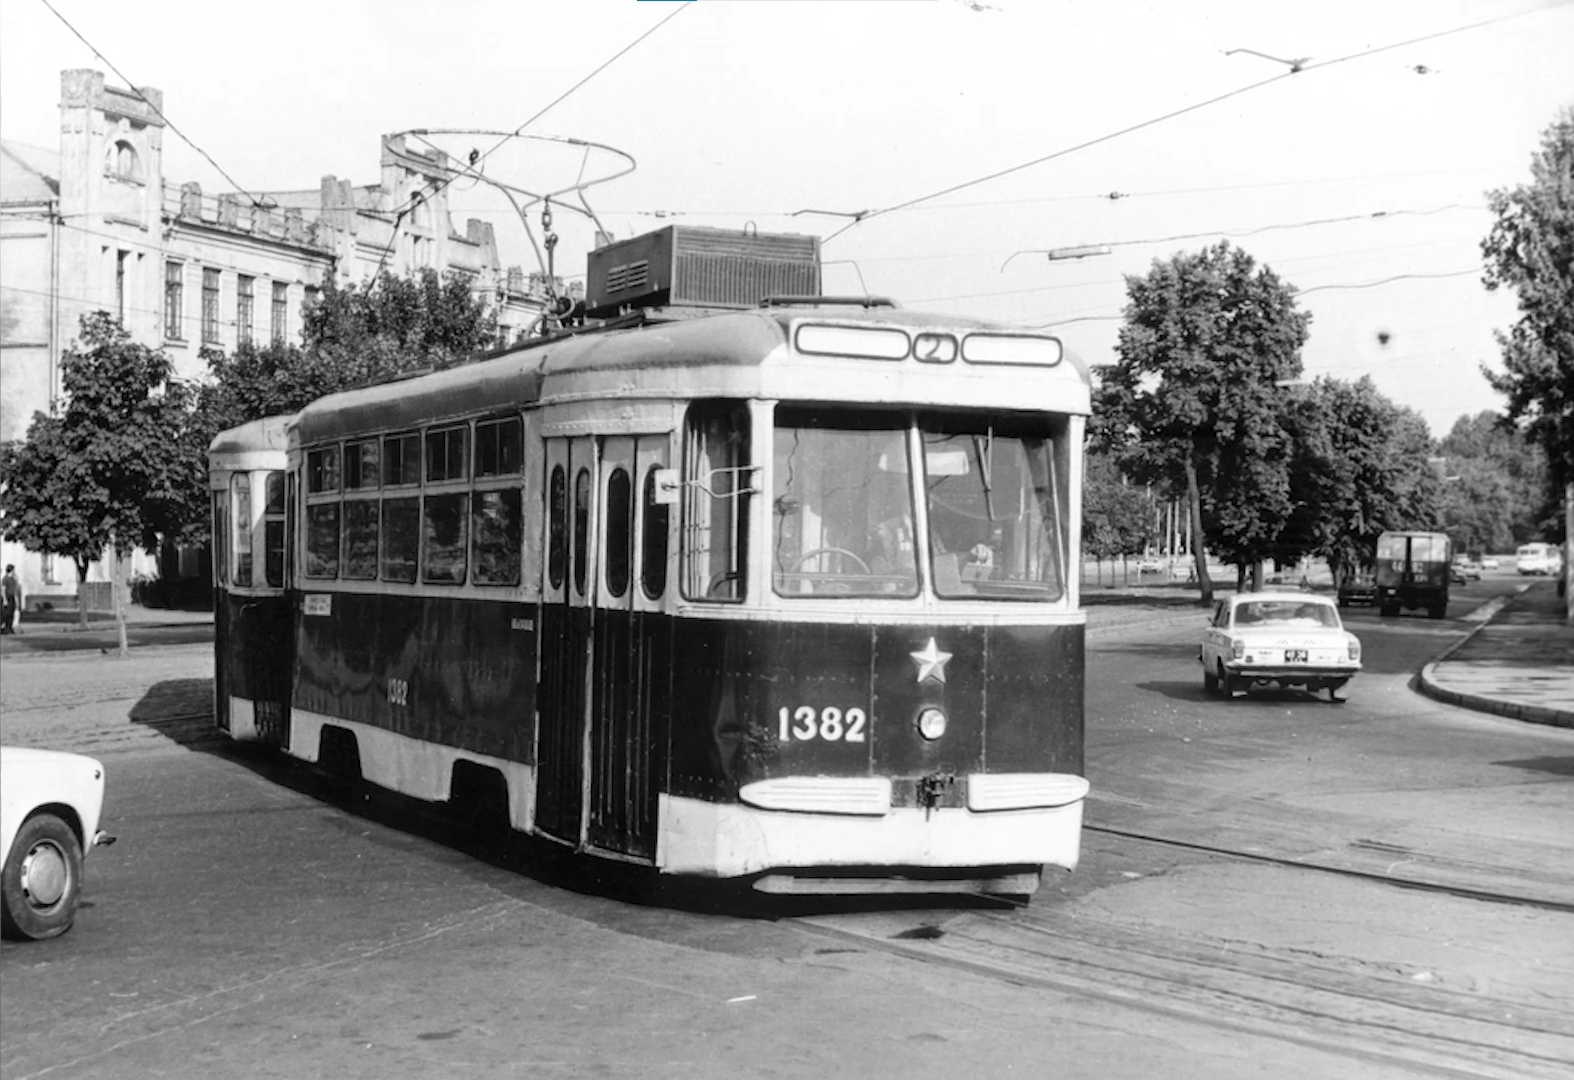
column 96, row 225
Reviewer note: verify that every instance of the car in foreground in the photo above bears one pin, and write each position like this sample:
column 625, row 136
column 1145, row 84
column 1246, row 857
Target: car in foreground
column 50, row 804
column 1288, row 639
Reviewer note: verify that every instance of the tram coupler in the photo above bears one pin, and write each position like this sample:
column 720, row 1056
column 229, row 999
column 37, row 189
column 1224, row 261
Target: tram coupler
column 934, row 789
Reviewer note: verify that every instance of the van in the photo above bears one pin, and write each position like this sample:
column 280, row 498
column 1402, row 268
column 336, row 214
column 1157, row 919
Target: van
column 1539, row 559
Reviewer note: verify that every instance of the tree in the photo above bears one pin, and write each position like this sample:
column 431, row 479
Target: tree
column 1115, row 516
column 1496, row 495
column 355, row 335
column 110, row 472
column 1361, row 467
column 1531, row 250
column 1192, row 404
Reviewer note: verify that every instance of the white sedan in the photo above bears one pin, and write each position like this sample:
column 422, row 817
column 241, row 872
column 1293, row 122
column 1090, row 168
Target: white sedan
column 1290, row 639
column 49, row 809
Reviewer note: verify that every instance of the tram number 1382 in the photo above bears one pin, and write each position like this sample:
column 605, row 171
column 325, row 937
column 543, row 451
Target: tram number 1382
column 829, row 724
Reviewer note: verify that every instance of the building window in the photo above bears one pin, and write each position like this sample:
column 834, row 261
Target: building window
column 313, row 295
column 210, row 306
column 120, row 284
column 174, row 299
column 46, row 569
column 245, row 299
column 281, row 293
column 121, row 161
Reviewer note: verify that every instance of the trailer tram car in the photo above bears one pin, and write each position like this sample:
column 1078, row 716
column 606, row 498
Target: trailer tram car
column 784, row 594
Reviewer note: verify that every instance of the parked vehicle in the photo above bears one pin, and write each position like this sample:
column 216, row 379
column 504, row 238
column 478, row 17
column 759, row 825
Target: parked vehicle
column 1289, row 639
column 1489, row 562
column 49, row 812
column 1541, row 559
column 1412, row 572
column 1152, row 564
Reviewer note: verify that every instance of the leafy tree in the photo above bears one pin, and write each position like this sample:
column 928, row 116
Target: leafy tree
column 1360, row 467
column 1531, row 250
column 1191, row 405
column 1496, row 493
column 1115, row 515
column 110, row 472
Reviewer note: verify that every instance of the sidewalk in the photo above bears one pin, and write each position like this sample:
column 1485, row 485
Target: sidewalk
column 1519, row 663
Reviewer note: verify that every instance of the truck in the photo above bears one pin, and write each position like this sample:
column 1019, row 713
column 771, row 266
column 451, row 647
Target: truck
column 1412, row 572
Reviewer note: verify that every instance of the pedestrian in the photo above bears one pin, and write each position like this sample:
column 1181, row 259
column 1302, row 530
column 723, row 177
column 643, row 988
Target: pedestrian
column 11, row 589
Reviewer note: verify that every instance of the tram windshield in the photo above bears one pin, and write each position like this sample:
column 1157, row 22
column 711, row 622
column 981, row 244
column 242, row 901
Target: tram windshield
column 844, row 496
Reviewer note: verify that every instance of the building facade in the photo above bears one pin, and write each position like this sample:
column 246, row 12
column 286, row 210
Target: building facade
column 95, row 225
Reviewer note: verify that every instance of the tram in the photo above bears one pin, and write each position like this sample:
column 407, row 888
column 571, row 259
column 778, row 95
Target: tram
column 785, row 593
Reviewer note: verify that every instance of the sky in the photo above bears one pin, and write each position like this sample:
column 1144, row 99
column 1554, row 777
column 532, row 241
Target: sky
column 977, row 135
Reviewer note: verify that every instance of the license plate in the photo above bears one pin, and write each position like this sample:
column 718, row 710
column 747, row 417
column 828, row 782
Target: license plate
column 1295, row 656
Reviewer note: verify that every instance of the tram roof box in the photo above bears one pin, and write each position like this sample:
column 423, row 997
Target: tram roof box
column 692, row 266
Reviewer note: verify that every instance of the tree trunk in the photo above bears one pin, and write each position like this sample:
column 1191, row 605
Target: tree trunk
column 82, row 568
column 1198, row 547
column 117, row 574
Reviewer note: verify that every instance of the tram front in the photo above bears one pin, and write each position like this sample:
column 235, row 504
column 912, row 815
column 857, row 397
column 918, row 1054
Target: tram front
column 882, row 677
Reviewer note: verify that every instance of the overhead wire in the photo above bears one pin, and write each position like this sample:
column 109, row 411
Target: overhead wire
column 1298, row 69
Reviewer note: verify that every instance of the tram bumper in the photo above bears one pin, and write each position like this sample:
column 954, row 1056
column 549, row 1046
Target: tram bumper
column 924, row 846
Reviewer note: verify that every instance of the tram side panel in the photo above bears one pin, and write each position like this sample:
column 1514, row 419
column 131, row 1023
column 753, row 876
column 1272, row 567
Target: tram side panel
column 420, row 682
column 252, row 641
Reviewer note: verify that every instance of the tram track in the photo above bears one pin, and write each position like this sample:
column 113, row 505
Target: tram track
column 1384, row 1020
column 1397, row 881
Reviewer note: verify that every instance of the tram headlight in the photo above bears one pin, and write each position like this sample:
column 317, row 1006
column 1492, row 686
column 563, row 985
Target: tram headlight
column 931, row 724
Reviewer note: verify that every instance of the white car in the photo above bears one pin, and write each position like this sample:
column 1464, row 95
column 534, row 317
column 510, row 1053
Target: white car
column 1290, row 639
column 49, row 809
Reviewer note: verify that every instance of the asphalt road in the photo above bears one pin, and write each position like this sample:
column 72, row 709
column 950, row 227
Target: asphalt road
column 248, row 925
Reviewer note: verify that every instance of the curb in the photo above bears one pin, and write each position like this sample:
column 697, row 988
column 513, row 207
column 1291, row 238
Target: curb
column 1535, row 714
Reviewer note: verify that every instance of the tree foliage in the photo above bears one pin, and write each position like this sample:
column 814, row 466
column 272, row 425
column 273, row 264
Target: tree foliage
column 1496, row 495
column 1116, row 518
column 1361, row 466
column 1531, row 250
column 1192, row 404
column 115, row 466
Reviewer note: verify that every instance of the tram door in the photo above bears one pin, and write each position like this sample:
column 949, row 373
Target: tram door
column 629, row 665
column 567, row 628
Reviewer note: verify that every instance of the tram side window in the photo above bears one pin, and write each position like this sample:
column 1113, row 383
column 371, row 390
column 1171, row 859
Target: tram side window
column 240, row 486
column 221, row 536
column 401, row 460
column 498, row 532
column 444, row 522
column 498, row 448
column 401, row 538
column 717, row 482
column 360, row 539
column 557, row 528
column 322, row 470
column 653, row 556
column 445, row 454
column 581, row 529
column 361, row 465
column 322, row 540
column 620, row 531
column 273, row 531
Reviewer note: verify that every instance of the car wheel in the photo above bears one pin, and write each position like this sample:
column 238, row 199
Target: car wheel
column 1226, row 683
column 1388, row 611
column 1437, row 611
column 1333, row 689
column 1210, row 681
column 42, row 880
